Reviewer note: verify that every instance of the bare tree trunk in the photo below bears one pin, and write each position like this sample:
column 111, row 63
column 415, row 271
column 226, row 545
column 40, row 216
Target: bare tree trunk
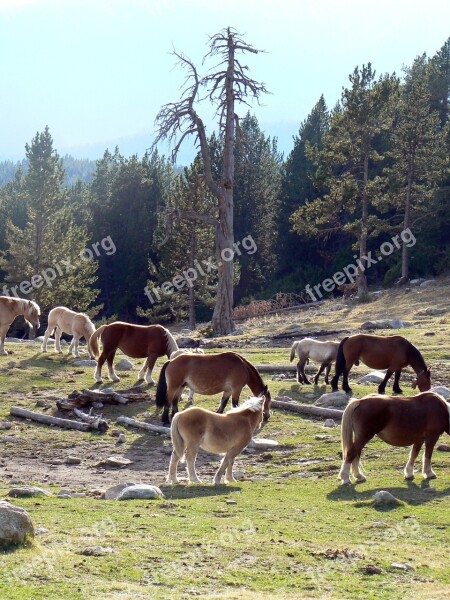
column 406, row 224
column 191, row 302
column 361, row 276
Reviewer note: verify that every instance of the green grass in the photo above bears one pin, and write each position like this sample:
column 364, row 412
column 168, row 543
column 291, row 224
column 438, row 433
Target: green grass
column 293, row 531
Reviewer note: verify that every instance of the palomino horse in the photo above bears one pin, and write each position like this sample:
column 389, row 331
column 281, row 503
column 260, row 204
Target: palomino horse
column 63, row 320
column 227, row 434
column 136, row 341
column 397, row 421
column 190, row 401
column 393, row 353
column 208, row 374
column 321, row 352
column 10, row 308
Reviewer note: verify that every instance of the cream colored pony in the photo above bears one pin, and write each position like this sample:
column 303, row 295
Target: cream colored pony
column 227, row 434
column 63, row 320
column 10, row 308
column 190, row 401
column 324, row 353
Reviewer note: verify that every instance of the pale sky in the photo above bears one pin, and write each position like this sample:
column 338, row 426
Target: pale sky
column 97, row 71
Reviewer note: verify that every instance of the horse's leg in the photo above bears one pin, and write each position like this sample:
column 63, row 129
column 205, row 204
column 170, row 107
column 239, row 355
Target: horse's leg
column 3, row 332
column 353, row 457
column 150, row 364
column 76, row 341
column 58, row 333
column 409, row 467
column 345, row 386
column 299, row 373
column 319, row 373
column 427, row 471
column 172, row 475
column 45, row 340
column 327, row 373
column 302, row 364
column 382, row 386
column 142, row 372
column 98, row 371
column 223, row 402
column 226, row 466
column 396, row 387
column 191, row 455
column 110, row 360
column 190, row 401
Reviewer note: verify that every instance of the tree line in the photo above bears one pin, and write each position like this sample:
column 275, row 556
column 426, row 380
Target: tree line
column 374, row 165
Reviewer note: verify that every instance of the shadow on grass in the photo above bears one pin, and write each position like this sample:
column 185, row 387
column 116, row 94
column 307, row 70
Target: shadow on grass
column 410, row 493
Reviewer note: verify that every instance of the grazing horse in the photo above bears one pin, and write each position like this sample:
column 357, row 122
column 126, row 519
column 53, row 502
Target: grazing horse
column 10, row 308
column 227, row 434
column 137, row 341
column 208, row 374
column 63, row 320
column 190, row 401
column 321, row 352
column 393, row 353
column 397, row 421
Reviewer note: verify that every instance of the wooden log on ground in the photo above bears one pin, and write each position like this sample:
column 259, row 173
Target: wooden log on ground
column 99, row 396
column 16, row 411
column 309, row 410
column 95, row 421
column 141, row 425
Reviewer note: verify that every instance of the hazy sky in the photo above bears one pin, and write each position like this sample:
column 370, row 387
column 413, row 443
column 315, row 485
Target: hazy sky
column 97, row 71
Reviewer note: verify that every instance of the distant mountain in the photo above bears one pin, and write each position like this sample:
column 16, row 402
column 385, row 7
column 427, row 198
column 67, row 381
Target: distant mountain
column 76, row 169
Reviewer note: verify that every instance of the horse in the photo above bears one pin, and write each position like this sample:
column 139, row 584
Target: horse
column 208, row 374
column 320, row 352
column 393, row 353
column 190, row 401
column 227, row 434
column 10, row 308
column 137, row 341
column 63, row 320
column 397, row 421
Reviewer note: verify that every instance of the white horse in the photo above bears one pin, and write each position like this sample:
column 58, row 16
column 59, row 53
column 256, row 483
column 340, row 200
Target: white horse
column 10, row 308
column 321, row 352
column 63, row 320
column 176, row 353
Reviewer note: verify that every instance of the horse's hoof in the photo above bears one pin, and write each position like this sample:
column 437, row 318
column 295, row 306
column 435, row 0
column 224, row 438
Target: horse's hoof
column 409, row 477
column 429, row 476
column 348, row 482
column 399, row 391
column 361, row 479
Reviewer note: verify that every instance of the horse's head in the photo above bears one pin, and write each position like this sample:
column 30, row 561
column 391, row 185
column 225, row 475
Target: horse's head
column 423, row 380
column 267, row 402
column 31, row 314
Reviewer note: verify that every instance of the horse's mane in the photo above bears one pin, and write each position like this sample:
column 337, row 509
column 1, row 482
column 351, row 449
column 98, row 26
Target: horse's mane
column 172, row 346
column 418, row 356
column 253, row 369
column 252, row 404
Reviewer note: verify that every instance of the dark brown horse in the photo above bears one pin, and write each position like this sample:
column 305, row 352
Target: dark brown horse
column 211, row 374
column 136, row 341
column 393, row 353
column 397, row 421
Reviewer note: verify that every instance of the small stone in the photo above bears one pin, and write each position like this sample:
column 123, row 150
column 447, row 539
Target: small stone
column 333, row 400
column 329, row 423
column 401, row 566
column 121, row 439
column 373, row 377
column 124, row 365
column 27, row 491
column 40, row 531
column 384, row 498
column 73, row 460
column 115, row 432
column 140, row 492
column 372, row 570
column 114, row 492
column 443, row 448
column 5, row 425
column 115, row 461
column 231, row 502
column 8, row 438
column 96, row 551
column 262, row 444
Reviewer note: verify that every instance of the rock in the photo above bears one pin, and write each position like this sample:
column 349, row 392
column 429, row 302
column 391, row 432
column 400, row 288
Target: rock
column 310, row 396
column 329, row 423
column 114, row 492
column 443, row 448
column 428, row 283
column 442, row 391
column 383, row 498
column 115, row 432
column 231, row 502
column 385, row 324
column 262, row 444
column 27, row 491
column 401, row 566
column 96, row 551
column 187, row 342
column 5, row 425
column 8, row 438
column 40, row 531
column 124, row 365
column 333, row 400
column 209, row 344
column 15, row 525
column 121, row 439
column 73, row 460
column 84, row 363
column 372, row 570
column 140, row 492
column 429, row 311
column 114, row 461
column 373, row 377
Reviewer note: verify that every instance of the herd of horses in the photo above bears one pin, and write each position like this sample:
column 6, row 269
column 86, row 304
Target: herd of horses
column 399, row 421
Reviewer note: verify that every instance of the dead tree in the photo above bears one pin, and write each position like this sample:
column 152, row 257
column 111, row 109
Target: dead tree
column 228, row 85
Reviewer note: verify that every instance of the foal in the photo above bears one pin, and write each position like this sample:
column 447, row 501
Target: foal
column 10, row 308
column 397, row 421
column 227, row 434
column 63, row 320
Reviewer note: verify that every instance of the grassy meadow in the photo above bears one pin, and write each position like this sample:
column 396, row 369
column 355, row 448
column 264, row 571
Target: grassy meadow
column 285, row 529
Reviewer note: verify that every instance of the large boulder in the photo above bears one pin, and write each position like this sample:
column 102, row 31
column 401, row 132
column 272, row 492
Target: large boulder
column 140, row 492
column 114, row 492
column 333, row 400
column 15, row 525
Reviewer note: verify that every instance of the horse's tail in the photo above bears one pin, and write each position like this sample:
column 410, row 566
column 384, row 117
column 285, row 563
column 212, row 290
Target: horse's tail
column 347, row 427
column 161, row 390
column 171, row 344
column 293, row 350
column 93, row 342
column 340, row 358
column 177, row 441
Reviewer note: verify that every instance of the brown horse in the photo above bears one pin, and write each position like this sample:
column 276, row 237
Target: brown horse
column 397, row 421
column 208, row 374
column 393, row 353
column 137, row 341
column 10, row 308
column 227, row 434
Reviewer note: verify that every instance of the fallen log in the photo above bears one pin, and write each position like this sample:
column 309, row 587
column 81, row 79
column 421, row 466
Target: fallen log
column 307, row 409
column 275, row 369
column 99, row 396
column 95, row 421
column 16, row 411
column 141, row 425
